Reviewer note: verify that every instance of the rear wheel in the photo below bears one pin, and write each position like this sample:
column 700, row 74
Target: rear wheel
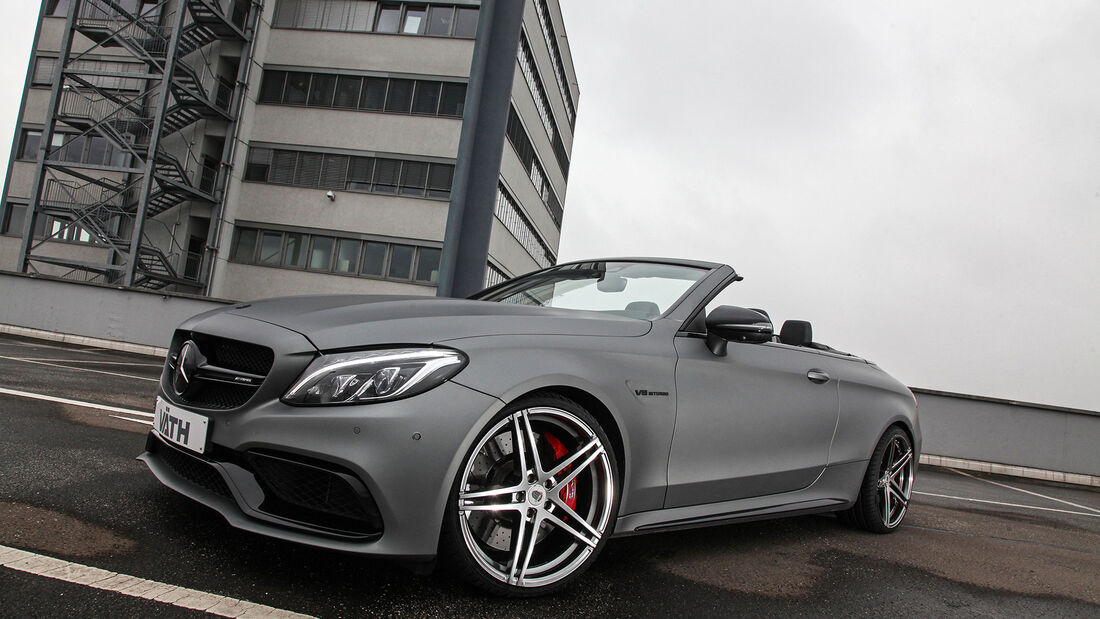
column 887, row 485
column 534, row 500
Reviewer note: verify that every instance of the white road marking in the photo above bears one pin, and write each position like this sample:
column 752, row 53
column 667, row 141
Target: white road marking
column 1045, row 509
column 50, row 398
column 69, row 367
column 1043, row 496
column 41, row 565
column 144, row 421
column 144, row 365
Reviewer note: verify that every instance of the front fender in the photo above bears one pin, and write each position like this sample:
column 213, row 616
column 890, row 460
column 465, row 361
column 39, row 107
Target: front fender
column 612, row 370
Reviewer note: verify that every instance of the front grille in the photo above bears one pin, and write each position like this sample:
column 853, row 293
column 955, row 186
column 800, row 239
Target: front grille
column 315, row 494
column 192, row 468
column 221, row 396
column 222, row 353
column 234, row 355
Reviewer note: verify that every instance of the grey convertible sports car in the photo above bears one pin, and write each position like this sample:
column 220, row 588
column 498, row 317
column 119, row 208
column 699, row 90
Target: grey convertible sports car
column 513, row 433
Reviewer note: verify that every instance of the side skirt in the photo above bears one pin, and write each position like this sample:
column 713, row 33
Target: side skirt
column 835, row 490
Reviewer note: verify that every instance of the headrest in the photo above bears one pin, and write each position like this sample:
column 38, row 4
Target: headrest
column 644, row 309
column 796, row 333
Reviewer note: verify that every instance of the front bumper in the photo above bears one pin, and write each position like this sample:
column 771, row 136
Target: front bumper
column 370, row 479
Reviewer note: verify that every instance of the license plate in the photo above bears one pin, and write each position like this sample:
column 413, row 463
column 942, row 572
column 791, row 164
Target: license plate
column 184, row 428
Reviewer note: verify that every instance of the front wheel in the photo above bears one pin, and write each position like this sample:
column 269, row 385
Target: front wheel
column 887, row 486
column 534, row 501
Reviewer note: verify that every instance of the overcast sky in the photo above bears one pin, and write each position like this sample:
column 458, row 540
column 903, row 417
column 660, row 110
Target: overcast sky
column 921, row 180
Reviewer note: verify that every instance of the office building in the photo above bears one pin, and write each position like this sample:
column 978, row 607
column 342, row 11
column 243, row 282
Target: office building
column 243, row 149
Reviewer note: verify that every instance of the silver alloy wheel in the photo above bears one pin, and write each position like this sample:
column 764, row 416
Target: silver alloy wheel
column 514, row 520
column 896, row 481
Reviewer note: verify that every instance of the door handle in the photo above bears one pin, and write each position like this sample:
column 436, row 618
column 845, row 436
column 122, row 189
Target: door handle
column 817, row 376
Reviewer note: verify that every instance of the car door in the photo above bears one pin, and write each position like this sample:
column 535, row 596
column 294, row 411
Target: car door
column 757, row 421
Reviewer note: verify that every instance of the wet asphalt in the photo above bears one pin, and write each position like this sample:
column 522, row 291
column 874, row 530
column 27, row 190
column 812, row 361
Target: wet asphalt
column 70, row 488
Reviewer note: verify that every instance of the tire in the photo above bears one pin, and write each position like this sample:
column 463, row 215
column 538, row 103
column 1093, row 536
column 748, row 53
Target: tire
column 560, row 491
column 887, row 486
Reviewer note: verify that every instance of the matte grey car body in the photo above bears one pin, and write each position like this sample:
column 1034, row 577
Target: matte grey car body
column 764, row 429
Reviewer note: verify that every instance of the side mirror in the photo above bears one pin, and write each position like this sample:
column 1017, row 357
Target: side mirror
column 727, row 322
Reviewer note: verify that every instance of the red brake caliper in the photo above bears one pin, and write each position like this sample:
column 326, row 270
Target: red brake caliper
column 568, row 494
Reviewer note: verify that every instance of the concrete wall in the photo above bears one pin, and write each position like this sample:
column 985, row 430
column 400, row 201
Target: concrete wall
column 96, row 311
column 1006, row 432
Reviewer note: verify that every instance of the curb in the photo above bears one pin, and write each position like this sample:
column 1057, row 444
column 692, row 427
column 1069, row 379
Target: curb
column 94, row 342
column 1011, row 470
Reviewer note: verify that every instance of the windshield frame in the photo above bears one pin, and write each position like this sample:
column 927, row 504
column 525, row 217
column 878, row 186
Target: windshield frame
column 534, row 278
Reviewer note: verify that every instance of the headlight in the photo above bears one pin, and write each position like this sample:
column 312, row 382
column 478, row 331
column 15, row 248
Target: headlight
column 374, row 375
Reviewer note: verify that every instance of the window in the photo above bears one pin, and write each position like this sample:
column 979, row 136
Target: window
column 494, row 276
column 374, row 258
column 400, row 262
column 320, row 256
column 437, row 20
column 453, row 99
column 336, row 171
column 466, row 23
column 321, row 90
column 440, row 178
column 414, row 20
column 389, row 18
column 308, row 171
column 404, row 262
column 347, row 91
column 339, row 15
column 525, row 150
column 440, row 20
column 427, row 265
column 426, row 99
column 283, row 163
column 245, row 247
column 297, row 88
column 295, row 254
column 271, row 89
column 14, row 219
column 347, row 256
column 385, row 175
column 551, row 39
column 271, row 244
column 400, row 96
column 259, row 164
column 542, row 102
column 360, row 172
column 31, row 140
column 509, row 214
column 72, row 148
column 374, row 93
column 414, row 175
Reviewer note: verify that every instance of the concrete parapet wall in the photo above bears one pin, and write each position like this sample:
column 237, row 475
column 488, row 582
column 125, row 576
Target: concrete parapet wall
column 96, row 311
column 1010, row 433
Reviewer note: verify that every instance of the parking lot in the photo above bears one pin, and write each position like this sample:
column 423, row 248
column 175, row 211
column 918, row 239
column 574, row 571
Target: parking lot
column 72, row 419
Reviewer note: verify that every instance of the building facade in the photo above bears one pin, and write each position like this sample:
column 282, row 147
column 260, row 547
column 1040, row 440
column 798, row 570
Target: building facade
column 244, row 148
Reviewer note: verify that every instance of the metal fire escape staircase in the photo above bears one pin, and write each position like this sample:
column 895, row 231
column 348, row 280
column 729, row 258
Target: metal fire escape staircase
column 110, row 203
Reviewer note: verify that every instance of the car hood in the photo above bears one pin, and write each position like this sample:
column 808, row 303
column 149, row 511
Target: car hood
column 341, row 321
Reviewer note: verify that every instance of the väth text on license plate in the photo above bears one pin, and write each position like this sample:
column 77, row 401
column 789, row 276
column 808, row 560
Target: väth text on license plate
column 181, row 427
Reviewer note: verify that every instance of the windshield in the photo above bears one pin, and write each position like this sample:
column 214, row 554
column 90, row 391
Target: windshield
column 642, row 290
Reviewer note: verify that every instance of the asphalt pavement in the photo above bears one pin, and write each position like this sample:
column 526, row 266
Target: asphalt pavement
column 971, row 545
